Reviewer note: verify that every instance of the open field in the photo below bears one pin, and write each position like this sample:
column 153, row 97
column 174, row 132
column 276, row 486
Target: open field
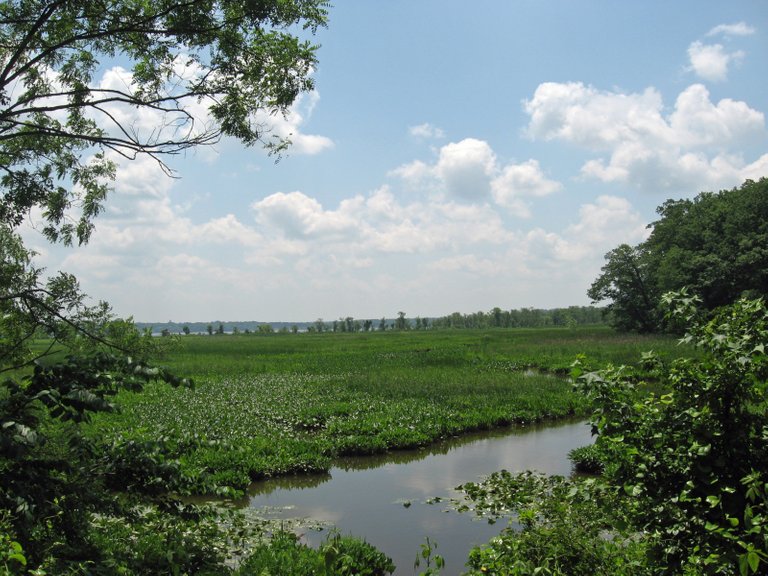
column 289, row 403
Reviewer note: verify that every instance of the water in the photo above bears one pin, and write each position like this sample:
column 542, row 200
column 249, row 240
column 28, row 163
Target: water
column 383, row 499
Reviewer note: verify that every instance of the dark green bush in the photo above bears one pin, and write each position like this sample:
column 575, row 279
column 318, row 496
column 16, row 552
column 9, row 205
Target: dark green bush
column 587, row 459
column 284, row 555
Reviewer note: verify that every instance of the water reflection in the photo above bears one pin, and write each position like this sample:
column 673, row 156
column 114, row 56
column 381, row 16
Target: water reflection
column 383, row 498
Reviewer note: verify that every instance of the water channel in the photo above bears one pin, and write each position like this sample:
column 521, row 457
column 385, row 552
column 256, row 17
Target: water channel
column 383, row 499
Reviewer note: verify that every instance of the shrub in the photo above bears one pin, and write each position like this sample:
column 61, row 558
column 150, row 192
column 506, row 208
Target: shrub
column 693, row 461
column 587, row 459
column 284, row 555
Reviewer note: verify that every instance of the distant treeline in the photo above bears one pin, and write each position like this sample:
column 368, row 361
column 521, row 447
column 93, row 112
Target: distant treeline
column 523, row 318
column 495, row 318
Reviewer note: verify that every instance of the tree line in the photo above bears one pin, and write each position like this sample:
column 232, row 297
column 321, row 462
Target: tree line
column 495, row 318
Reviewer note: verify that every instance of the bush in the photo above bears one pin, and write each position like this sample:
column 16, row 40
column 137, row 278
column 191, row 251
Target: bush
column 693, row 461
column 284, row 555
column 587, row 459
column 684, row 488
column 564, row 527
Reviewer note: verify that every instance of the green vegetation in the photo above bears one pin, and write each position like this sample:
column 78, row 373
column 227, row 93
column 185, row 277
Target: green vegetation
column 715, row 245
column 684, row 488
column 84, row 490
column 282, row 404
column 81, row 480
column 338, row 556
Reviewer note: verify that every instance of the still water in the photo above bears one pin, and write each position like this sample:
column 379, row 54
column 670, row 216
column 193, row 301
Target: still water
column 383, row 498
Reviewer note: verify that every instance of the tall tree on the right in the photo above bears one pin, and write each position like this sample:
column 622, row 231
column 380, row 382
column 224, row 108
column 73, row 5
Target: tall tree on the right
column 715, row 244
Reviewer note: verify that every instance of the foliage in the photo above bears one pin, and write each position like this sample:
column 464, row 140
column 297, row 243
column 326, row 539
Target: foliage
column 562, row 527
column 521, row 318
column 587, row 459
column 60, row 131
column 339, row 555
column 350, row 556
column 434, row 562
column 52, row 477
column 714, row 244
column 153, row 541
column 693, row 460
column 12, row 558
column 626, row 281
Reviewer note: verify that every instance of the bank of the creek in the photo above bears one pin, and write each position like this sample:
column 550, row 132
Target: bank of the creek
column 384, row 498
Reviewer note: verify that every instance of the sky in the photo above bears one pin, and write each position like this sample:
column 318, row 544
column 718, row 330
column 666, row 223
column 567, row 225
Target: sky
column 453, row 157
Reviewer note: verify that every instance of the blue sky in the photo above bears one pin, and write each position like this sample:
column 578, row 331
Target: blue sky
column 453, row 157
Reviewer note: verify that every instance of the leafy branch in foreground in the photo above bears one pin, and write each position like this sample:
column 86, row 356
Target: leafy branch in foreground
column 199, row 70
column 684, row 488
column 53, row 477
column 693, row 461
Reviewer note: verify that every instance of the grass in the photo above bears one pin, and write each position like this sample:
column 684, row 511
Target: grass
column 290, row 403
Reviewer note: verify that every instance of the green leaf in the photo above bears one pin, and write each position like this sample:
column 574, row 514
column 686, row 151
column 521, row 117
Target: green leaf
column 754, row 560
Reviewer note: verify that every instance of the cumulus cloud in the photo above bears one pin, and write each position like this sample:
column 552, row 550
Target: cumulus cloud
column 469, row 171
column 695, row 146
column 299, row 216
column 465, row 168
column 602, row 224
column 518, row 181
column 712, row 61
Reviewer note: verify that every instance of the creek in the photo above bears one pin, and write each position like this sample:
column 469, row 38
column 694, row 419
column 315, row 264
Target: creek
column 383, row 499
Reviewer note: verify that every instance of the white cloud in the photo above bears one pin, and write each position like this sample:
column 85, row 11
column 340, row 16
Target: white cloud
column 229, row 230
column 712, row 61
column 697, row 122
column 417, row 175
column 694, row 147
column 517, row 181
column 299, row 216
column 737, row 29
column 290, row 126
column 469, row 171
column 465, row 168
column 427, row 131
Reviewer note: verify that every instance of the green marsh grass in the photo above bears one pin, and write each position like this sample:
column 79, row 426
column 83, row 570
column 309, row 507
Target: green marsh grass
column 290, row 403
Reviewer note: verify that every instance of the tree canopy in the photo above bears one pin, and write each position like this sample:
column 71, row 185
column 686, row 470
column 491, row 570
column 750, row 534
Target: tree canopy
column 237, row 62
column 715, row 244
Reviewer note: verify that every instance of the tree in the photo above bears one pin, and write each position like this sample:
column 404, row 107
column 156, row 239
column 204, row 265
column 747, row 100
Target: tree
column 627, row 282
column 716, row 245
column 185, row 330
